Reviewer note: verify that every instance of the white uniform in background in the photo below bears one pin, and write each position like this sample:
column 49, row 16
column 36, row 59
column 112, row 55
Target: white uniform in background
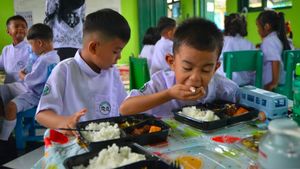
column 219, row 88
column 161, row 49
column 73, row 85
column 147, row 53
column 272, row 49
column 66, row 34
column 237, row 43
column 13, row 59
column 34, row 83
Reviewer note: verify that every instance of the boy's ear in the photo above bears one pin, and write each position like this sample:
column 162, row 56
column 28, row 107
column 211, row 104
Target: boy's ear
column 170, row 60
column 218, row 64
column 92, row 46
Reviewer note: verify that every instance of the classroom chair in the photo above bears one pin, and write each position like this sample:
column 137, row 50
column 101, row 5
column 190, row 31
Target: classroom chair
column 247, row 60
column 290, row 59
column 138, row 72
column 26, row 125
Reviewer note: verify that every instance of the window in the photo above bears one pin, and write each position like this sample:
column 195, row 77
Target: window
column 263, row 102
column 244, row 96
column 250, row 98
column 257, row 100
column 279, row 3
column 173, row 9
column 259, row 5
column 280, row 102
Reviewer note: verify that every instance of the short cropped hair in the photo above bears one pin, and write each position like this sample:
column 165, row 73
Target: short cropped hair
column 40, row 31
column 151, row 36
column 107, row 22
column 200, row 34
column 15, row 18
column 165, row 23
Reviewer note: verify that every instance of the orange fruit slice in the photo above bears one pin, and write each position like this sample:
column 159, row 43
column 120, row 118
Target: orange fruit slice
column 190, row 162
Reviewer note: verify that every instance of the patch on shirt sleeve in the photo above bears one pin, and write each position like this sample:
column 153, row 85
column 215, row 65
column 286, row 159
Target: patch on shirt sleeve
column 46, row 90
column 144, row 88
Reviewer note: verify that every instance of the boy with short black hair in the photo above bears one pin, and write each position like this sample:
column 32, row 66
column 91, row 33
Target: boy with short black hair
column 40, row 38
column 197, row 47
column 88, row 86
column 166, row 27
column 15, row 55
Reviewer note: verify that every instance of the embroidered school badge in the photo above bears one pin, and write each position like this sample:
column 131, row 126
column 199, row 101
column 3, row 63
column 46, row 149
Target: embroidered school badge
column 46, row 90
column 105, row 108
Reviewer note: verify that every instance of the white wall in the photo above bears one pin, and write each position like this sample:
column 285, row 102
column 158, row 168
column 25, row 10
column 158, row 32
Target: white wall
column 37, row 7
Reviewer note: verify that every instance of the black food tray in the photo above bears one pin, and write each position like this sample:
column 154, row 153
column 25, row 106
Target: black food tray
column 148, row 138
column 151, row 161
column 219, row 109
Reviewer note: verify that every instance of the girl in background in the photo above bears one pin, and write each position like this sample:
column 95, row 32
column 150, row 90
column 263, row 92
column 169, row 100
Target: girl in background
column 235, row 31
column 150, row 38
column 271, row 28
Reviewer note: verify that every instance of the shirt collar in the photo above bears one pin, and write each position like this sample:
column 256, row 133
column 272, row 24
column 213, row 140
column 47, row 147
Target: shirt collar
column 21, row 44
column 84, row 66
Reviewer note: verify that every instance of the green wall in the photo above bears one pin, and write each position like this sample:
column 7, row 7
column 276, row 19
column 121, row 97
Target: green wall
column 129, row 9
column 6, row 10
column 291, row 14
column 187, row 9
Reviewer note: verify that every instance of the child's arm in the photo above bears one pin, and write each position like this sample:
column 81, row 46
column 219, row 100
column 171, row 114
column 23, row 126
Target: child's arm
column 50, row 119
column 137, row 104
column 275, row 76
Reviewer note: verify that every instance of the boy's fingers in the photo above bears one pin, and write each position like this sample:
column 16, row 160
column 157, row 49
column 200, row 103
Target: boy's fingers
column 80, row 113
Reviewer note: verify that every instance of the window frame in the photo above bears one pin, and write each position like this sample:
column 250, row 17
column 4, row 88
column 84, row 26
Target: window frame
column 245, row 3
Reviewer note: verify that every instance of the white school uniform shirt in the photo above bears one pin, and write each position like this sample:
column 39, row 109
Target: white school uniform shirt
column 237, row 43
column 147, row 53
column 272, row 49
column 73, row 85
column 219, row 88
column 13, row 59
column 36, row 79
column 161, row 49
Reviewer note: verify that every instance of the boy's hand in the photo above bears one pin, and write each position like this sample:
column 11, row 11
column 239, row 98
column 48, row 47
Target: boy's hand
column 71, row 122
column 183, row 92
column 22, row 74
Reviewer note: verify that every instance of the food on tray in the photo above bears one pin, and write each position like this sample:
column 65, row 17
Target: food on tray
column 103, row 131
column 202, row 114
column 233, row 110
column 145, row 129
column 154, row 129
column 126, row 124
column 113, row 157
column 252, row 142
column 190, row 162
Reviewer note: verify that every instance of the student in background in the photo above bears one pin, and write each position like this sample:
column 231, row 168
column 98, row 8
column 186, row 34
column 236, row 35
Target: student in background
column 235, row 31
column 40, row 38
column 271, row 28
column 66, row 19
column 150, row 38
column 88, row 86
column 191, row 80
column 14, row 56
column 166, row 27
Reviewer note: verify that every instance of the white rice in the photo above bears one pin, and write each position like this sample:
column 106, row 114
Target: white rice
column 104, row 131
column 113, row 157
column 199, row 114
